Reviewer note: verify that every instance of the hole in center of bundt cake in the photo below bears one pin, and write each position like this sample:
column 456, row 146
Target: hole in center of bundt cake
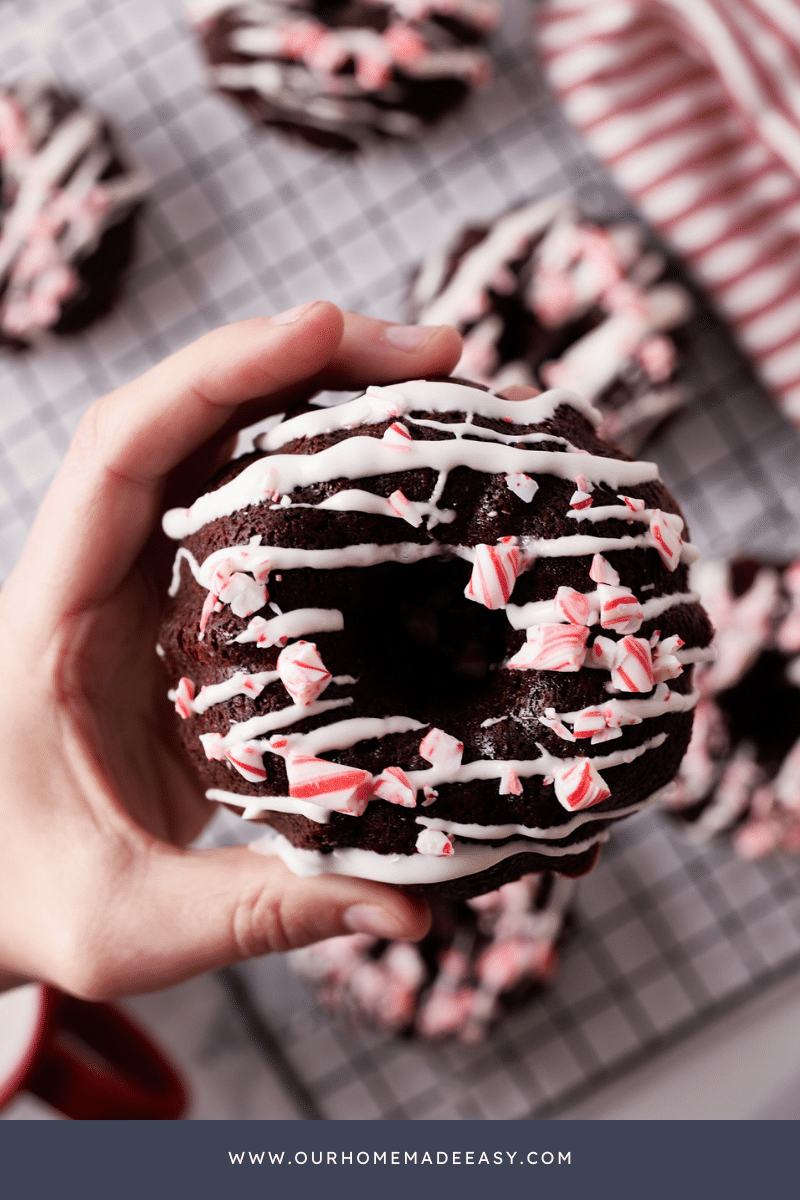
column 426, row 638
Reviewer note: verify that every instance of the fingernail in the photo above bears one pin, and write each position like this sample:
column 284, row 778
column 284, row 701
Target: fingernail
column 407, row 337
column 292, row 314
column 365, row 918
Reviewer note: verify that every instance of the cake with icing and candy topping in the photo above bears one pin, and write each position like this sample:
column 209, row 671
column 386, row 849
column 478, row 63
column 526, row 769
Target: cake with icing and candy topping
column 482, row 958
column 340, row 72
column 543, row 296
column 434, row 636
column 66, row 213
column 741, row 774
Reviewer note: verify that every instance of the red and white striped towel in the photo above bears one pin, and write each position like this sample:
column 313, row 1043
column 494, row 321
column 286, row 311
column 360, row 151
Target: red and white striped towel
column 694, row 105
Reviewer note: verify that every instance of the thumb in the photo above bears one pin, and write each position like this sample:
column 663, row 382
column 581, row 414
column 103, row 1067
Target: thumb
column 197, row 910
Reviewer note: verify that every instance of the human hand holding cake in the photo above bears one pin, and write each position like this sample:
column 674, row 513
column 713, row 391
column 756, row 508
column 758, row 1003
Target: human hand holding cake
column 96, row 895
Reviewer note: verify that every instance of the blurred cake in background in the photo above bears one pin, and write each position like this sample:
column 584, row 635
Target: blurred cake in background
column 341, row 72
column 67, row 209
column 741, row 773
column 545, row 297
column 483, row 957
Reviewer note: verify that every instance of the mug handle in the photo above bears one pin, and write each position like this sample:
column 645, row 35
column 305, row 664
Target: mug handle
column 95, row 1065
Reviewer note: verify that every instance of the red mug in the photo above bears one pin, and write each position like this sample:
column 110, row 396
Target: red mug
column 86, row 1060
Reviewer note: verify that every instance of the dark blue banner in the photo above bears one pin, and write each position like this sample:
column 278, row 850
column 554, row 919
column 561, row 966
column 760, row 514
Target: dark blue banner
column 226, row 1160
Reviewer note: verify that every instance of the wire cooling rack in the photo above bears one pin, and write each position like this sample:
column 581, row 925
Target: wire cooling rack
column 240, row 223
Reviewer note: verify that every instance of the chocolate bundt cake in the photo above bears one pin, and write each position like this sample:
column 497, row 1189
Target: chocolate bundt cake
column 482, row 958
column 502, row 636
column 66, row 213
column 545, row 297
column 741, row 774
column 339, row 72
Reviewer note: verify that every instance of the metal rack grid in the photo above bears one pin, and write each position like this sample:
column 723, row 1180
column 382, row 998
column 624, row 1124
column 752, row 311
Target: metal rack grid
column 240, row 222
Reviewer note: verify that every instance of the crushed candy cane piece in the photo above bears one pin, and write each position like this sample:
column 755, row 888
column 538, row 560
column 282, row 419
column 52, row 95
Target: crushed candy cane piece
column 619, row 609
column 302, row 672
column 393, row 786
column 603, row 653
column 552, row 648
column 184, row 695
column 589, row 723
column 657, row 357
column 432, row 841
column 522, row 486
column 262, row 631
column 405, row 508
column 510, row 784
column 397, row 437
column 665, row 663
column 441, row 750
column 430, row 794
column 580, row 786
column 244, row 594
column 573, row 606
column 633, row 503
column 212, row 744
column 666, row 540
column 633, row 666
column 601, row 571
column 248, row 760
column 494, row 573
column 343, row 789
column 580, row 500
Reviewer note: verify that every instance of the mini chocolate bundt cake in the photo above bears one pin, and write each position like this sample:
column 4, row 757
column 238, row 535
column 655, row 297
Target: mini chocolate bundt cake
column 503, row 636
column 67, row 210
column 338, row 73
column 482, row 958
column 741, row 774
column 543, row 296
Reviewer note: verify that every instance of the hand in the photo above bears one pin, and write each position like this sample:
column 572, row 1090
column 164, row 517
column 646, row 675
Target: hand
column 97, row 895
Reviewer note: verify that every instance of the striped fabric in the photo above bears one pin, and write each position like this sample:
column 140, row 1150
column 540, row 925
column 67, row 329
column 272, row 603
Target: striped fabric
column 694, row 105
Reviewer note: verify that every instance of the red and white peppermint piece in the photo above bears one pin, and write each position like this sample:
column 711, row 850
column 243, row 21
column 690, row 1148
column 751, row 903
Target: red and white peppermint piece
column 633, row 666
column 573, row 606
column 601, row 571
column 665, row 663
column 405, row 508
column 405, row 44
column 212, row 743
column 393, row 786
column 633, row 503
column 557, row 725
column 552, row 648
column 494, row 573
column 184, row 695
column 582, row 484
column 619, row 609
column 510, row 784
column 397, row 437
column 244, row 594
column 441, row 749
column 433, row 841
column 263, row 632
column 522, row 486
column 302, row 672
column 589, row 723
column 666, row 540
column 430, row 794
column 248, row 760
column 603, row 653
column 580, row 499
column 657, row 356
column 580, row 786
column 342, row 789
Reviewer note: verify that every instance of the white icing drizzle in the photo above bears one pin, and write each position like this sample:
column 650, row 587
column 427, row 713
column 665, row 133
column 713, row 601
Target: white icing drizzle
column 636, row 709
column 293, row 624
column 554, row 832
column 356, row 500
column 379, row 404
column 245, row 731
column 404, row 869
column 537, row 612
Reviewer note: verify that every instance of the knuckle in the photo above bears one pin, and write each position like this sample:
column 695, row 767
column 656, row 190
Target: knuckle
column 258, row 925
